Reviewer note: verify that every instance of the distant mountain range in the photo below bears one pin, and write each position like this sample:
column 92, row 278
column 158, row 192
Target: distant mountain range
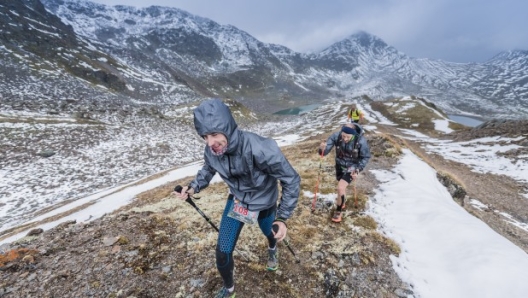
column 70, row 54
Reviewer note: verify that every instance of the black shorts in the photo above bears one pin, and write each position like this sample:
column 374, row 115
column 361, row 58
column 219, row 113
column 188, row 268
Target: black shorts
column 341, row 174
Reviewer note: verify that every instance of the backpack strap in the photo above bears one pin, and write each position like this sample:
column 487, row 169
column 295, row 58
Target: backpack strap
column 356, row 141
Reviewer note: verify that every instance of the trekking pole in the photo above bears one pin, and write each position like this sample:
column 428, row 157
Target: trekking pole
column 355, row 192
column 179, row 188
column 275, row 229
column 317, row 185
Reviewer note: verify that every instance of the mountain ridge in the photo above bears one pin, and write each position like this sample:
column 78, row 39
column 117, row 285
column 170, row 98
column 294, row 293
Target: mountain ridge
column 160, row 55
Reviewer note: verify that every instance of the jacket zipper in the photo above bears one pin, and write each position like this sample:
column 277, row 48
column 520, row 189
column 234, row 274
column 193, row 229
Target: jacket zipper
column 237, row 182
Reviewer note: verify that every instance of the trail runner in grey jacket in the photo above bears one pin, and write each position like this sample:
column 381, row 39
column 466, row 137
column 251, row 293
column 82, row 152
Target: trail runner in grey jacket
column 251, row 166
column 352, row 156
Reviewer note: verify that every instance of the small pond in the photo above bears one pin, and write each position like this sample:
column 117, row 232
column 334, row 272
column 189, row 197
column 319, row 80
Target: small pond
column 298, row 110
column 466, row 120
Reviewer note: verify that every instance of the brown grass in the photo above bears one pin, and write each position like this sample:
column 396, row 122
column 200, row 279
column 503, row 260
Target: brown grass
column 389, row 243
column 453, row 178
column 418, row 117
column 366, row 222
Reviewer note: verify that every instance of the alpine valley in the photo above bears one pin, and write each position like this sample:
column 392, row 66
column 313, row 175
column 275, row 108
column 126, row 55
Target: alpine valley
column 96, row 129
column 73, row 54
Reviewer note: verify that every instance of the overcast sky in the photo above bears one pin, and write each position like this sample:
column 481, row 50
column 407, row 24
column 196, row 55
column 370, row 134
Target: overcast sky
column 451, row 30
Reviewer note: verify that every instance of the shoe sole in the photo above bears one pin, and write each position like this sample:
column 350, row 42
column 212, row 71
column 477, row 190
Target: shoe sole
column 337, row 219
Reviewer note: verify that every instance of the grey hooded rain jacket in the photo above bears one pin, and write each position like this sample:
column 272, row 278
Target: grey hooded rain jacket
column 251, row 166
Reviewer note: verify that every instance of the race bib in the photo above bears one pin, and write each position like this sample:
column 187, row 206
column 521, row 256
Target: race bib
column 242, row 214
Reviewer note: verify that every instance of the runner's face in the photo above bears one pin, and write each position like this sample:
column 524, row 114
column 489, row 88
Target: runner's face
column 216, row 141
column 346, row 137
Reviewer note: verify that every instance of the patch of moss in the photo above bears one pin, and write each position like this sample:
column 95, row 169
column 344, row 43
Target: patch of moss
column 366, row 222
column 389, row 243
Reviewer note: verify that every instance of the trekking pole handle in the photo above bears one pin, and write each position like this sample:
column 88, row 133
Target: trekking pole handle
column 179, row 188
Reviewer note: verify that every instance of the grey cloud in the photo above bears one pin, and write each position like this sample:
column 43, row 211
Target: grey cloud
column 457, row 31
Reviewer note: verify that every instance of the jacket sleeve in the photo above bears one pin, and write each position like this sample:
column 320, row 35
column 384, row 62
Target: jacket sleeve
column 203, row 177
column 272, row 161
column 330, row 142
column 364, row 153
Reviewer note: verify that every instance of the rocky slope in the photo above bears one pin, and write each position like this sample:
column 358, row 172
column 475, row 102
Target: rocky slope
column 158, row 246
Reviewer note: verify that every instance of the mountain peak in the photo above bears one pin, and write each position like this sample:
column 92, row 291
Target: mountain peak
column 167, row 55
column 367, row 40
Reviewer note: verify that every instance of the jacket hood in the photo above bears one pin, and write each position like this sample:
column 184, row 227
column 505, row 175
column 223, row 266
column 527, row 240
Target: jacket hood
column 359, row 129
column 213, row 116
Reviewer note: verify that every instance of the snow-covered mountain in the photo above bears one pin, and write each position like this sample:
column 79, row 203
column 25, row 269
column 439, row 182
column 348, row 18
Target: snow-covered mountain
column 166, row 55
